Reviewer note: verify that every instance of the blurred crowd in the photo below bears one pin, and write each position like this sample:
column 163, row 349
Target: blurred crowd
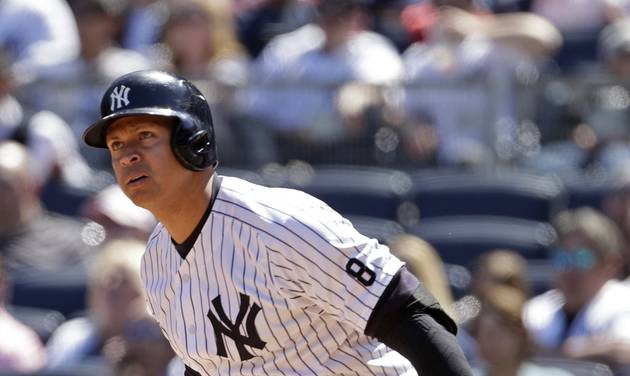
column 541, row 86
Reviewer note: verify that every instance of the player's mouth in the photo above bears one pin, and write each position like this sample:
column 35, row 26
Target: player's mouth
column 136, row 180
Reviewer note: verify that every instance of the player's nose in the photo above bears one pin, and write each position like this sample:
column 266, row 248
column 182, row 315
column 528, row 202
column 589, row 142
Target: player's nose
column 129, row 159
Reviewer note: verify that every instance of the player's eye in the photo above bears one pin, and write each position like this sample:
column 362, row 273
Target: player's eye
column 145, row 134
column 115, row 145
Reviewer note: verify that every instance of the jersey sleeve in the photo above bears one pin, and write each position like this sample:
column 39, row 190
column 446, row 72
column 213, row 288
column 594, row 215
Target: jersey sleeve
column 321, row 259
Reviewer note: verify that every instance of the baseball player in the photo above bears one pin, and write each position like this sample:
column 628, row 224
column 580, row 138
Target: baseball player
column 249, row 280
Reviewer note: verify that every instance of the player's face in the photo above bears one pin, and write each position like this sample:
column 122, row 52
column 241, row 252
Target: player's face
column 145, row 167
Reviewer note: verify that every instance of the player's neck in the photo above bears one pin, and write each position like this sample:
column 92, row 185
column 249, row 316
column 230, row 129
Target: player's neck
column 180, row 220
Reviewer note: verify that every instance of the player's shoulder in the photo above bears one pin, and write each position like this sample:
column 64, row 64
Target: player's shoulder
column 242, row 192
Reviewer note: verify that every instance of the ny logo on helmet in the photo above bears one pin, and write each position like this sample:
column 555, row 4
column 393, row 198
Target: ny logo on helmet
column 119, row 97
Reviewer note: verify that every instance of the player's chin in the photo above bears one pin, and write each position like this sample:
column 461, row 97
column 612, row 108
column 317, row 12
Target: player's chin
column 141, row 197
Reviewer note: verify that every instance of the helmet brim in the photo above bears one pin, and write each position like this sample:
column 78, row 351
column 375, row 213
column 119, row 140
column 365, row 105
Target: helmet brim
column 95, row 134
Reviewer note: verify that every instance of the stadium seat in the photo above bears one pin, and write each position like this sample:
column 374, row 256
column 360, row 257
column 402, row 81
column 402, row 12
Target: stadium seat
column 503, row 193
column 62, row 292
column 353, row 190
column 587, row 190
column 461, row 239
column 383, row 230
column 59, row 198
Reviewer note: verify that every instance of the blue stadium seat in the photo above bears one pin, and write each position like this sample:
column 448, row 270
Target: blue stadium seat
column 383, row 230
column 587, row 190
column 502, row 193
column 62, row 292
column 59, row 198
column 461, row 239
column 357, row 190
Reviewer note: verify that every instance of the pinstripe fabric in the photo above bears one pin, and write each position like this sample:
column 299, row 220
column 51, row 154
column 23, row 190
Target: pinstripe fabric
column 264, row 290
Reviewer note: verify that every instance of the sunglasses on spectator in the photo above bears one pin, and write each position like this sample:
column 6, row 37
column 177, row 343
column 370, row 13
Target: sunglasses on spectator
column 582, row 259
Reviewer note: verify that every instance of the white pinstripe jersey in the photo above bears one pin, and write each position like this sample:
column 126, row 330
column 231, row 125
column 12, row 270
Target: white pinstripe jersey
column 265, row 291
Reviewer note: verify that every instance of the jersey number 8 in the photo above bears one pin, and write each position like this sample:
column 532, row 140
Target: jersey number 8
column 360, row 271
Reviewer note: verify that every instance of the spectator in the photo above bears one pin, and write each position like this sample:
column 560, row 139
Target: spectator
column 588, row 315
column 114, row 298
column 587, row 130
column 118, row 215
column 618, row 8
column 504, row 344
column 37, row 35
column 49, row 139
column 142, row 350
column 579, row 27
column 31, row 237
column 417, row 140
column 605, row 117
column 20, row 348
column 200, row 45
column 498, row 268
column 387, row 22
column 462, row 76
column 616, row 205
column 259, row 24
column 424, row 262
column 73, row 89
column 588, row 15
column 296, row 78
column 199, row 40
column 614, row 48
column 142, row 22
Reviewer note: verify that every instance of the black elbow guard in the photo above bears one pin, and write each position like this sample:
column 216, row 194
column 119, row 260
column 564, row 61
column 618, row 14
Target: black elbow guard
column 422, row 301
column 405, row 294
column 430, row 349
column 408, row 319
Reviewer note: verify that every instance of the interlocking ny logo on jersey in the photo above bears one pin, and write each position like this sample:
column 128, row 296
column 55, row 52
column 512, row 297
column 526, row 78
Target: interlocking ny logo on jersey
column 119, row 97
column 223, row 326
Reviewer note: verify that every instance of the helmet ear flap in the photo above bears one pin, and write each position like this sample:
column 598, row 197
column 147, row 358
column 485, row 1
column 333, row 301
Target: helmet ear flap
column 199, row 142
column 193, row 146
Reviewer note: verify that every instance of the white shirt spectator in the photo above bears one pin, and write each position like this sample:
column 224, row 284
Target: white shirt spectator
column 73, row 91
column 295, row 80
column 49, row 139
column 20, row 348
column 36, row 34
column 606, row 316
column 465, row 91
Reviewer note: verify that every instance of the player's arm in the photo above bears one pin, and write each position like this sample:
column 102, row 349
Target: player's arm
column 409, row 320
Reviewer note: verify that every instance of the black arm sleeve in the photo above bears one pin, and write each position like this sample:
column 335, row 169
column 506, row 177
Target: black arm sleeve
column 409, row 320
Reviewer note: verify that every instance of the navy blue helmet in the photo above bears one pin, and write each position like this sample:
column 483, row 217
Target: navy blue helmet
column 151, row 92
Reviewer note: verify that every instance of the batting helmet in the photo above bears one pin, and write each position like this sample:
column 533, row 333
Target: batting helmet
column 151, row 92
